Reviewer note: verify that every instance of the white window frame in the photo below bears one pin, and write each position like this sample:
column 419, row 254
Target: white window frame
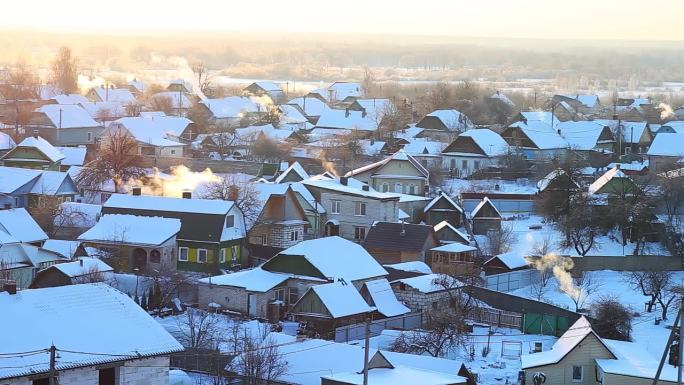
column 360, row 209
column 264, row 239
column 581, row 379
column 222, row 256
column 232, row 220
column 206, row 255
column 90, row 137
column 234, row 251
column 279, row 294
column 399, row 188
column 294, row 235
column 180, row 253
column 384, row 187
column 336, row 206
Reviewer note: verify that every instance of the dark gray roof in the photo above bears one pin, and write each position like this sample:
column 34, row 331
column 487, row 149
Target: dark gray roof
column 397, row 236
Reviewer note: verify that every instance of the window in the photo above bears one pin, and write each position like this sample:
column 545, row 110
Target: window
column 264, row 240
column 202, row 255
column 435, row 258
column 412, row 189
column 183, row 254
column 40, row 381
column 452, row 164
column 577, row 373
column 293, row 295
column 398, row 188
column 336, row 207
column 173, row 152
column 90, row 136
column 222, row 256
column 360, row 208
column 236, row 253
column 477, row 165
column 155, row 256
column 279, row 295
column 464, row 164
column 230, row 221
column 106, row 376
column 294, row 235
column 384, row 187
column 452, row 258
column 359, row 233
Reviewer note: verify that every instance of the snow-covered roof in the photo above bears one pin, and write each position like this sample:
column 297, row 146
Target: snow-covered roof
column 444, row 196
column 233, row 106
column 614, row 172
column 430, row 283
column 100, row 110
column 20, row 226
column 581, row 135
column 422, row 146
column 268, row 86
column 397, row 375
column 589, row 101
column 50, row 182
column 290, row 113
column 564, row 345
column 83, row 313
column 177, row 99
column 491, row 143
column 511, row 260
column 12, row 178
column 296, row 168
column 153, row 131
column 384, row 299
column 255, row 279
column 139, row 85
column 70, row 99
column 122, row 95
column 544, row 183
column 341, row 300
column 503, row 98
column 377, row 108
column 349, row 261
column 132, row 229
column 353, row 187
column 246, row 135
column 152, row 114
column 409, row 132
column 371, row 147
column 310, row 105
column 26, row 255
column 543, row 116
column 343, row 90
column 68, row 116
column 42, row 145
column 667, row 144
column 347, row 119
column 73, row 156
column 480, row 205
column 452, row 119
column 634, row 361
column 83, row 266
column 157, row 203
column 62, row 246
column 454, row 248
column 444, row 224
column 412, row 266
column 545, row 139
column 6, row 141
column 400, row 155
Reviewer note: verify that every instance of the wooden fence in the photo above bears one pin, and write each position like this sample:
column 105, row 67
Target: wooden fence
column 357, row 331
column 499, row 318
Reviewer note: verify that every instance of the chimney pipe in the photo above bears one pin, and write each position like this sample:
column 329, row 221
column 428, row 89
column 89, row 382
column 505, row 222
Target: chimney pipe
column 187, row 194
column 35, row 134
column 80, row 262
column 137, row 191
column 344, row 180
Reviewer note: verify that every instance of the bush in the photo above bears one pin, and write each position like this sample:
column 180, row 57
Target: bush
column 613, row 320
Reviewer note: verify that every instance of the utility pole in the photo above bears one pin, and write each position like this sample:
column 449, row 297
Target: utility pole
column 667, row 348
column 681, row 345
column 53, row 373
column 365, row 352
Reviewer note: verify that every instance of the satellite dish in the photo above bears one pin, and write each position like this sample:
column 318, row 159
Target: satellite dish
column 539, row 378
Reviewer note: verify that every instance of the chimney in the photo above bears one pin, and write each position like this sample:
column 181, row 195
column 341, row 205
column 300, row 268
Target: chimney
column 187, row 194
column 365, row 187
column 9, row 286
column 559, row 131
column 363, row 113
column 344, row 180
column 346, row 112
column 617, row 165
column 80, row 262
column 35, row 134
column 137, row 191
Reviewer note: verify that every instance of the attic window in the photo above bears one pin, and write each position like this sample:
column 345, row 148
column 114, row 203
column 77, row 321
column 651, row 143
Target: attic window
column 230, row 221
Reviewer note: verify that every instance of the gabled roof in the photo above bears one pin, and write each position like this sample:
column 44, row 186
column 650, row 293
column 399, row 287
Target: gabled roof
column 667, row 144
column 12, row 178
column 412, row 267
column 310, row 105
column 267, row 86
column 53, row 183
column 62, row 247
column 598, row 184
column 491, row 143
column 454, row 248
column 83, row 266
column 589, row 101
column 544, row 183
column 543, row 116
column 294, row 168
column 422, row 147
column 233, row 106
column 101, row 110
column 132, row 229
column 483, row 202
column 70, row 99
column 20, row 226
column 511, row 260
column 581, row 135
column 400, row 155
column 256, row 279
column 341, row 300
column 563, row 346
column 431, row 283
column 81, row 311
column 347, row 119
column 157, row 203
column 398, row 236
column 42, row 145
column 445, row 224
column 451, row 119
column 445, row 197
column 178, row 99
column 152, row 131
column 353, row 187
column 343, row 90
column 68, row 116
column 73, row 156
column 122, row 95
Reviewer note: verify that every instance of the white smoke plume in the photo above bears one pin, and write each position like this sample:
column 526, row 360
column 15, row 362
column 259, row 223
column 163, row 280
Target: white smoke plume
column 560, row 267
column 173, row 184
column 666, row 111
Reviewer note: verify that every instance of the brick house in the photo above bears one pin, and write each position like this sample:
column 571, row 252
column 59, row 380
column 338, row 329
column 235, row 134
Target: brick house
column 426, row 292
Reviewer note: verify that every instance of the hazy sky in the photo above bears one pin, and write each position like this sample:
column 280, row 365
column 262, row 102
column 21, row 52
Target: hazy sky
column 581, row 19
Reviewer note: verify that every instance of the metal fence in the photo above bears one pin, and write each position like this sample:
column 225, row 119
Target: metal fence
column 357, row 331
column 513, row 280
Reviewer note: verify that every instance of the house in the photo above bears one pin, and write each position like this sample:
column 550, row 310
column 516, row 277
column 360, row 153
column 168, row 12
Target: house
column 292, row 118
column 34, row 152
column 104, row 112
column 340, row 91
column 34, row 189
column 69, row 99
column 150, row 134
column 447, row 233
column 111, row 94
column 400, row 173
column 138, row 352
column 536, row 140
column 65, row 125
column 211, row 233
column 177, row 128
column 351, row 206
column 582, row 104
column 633, row 365
column 473, row 150
column 426, row 292
column 178, row 102
column 229, row 111
column 137, row 87
column 127, row 242
column 666, row 149
column 371, row 147
column 454, row 258
column 73, row 156
column 613, row 183
column 292, row 174
column 445, row 120
column 546, row 117
column 84, row 270
column 633, row 137
column 443, row 208
column 6, row 143
column 179, row 85
column 312, row 106
column 268, row 291
column 347, row 119
column 571, row 360
column 485, row 217
column 391, row 242
column 23, row 261
column 74, row 218
column 17, row 226
column 587, row 135
column 506, row 263
column 557, row 181
column 65, row 248
column 265, row 88
column 376, row 108
column 426, row 151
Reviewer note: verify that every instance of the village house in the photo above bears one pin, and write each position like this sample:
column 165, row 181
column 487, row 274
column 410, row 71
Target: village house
column 633, row 137
column 110, row 94
column 340, row 91
column 440, row 123
column 292, row 118
column 455, row 259
column 265, row 88
column 138, row 353
column 428, row 292
column 312, row 106
column 34, row 152
column 65, row 125
column 229, row 111
column 473, row 150
column 211, row 234
column 400, row 173
column 582, row 104
column 666, row 150
column 73, row 156
column 427, row 152
column 536, row 140
column 506, row 263
column 84, row 270
column 65, row 248
column 179, row 85
column 126, row 241
column 587, row 135
column 351, row 206
column 613, row 183
column 104, row 112
column 176, row 102
column 35, row 189
column 447, row 233
column 69, row 99
column 347, row 119
column 485, row 217
column 391, row 243
column 151, row 136
column 443, row 208
column 137, row 87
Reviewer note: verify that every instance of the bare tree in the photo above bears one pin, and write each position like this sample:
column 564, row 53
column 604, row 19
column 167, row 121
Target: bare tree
column 498, row 241
column 264, row 148
column 162, row 103
column 368, row 84
column 443, row 335
column 658, row 285
column 117, row 160
column 612, row 319
column 203, row 77
column 133, row 108
column 65, row 71
column 242, row 193
column 90, row 275
column 578, row 288
column 166, row 284
column 261, row 360
column 198, row 329
column 579, row 226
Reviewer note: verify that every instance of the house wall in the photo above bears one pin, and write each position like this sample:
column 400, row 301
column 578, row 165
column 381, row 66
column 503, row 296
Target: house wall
column 29, row 154
column 148, row 371
column 278, row 235
column 616, row 379
column 418, row 301
column 414, row 208
column 453, row 263
column 462, row 165
column 392, row 168
column 376, row 210
column 482, row 225
column 657, row 162
column 583, row 355
column 78, row 135
column 233, row 250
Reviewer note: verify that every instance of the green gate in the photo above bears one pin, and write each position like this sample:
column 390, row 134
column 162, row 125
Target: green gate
column 545, row 324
